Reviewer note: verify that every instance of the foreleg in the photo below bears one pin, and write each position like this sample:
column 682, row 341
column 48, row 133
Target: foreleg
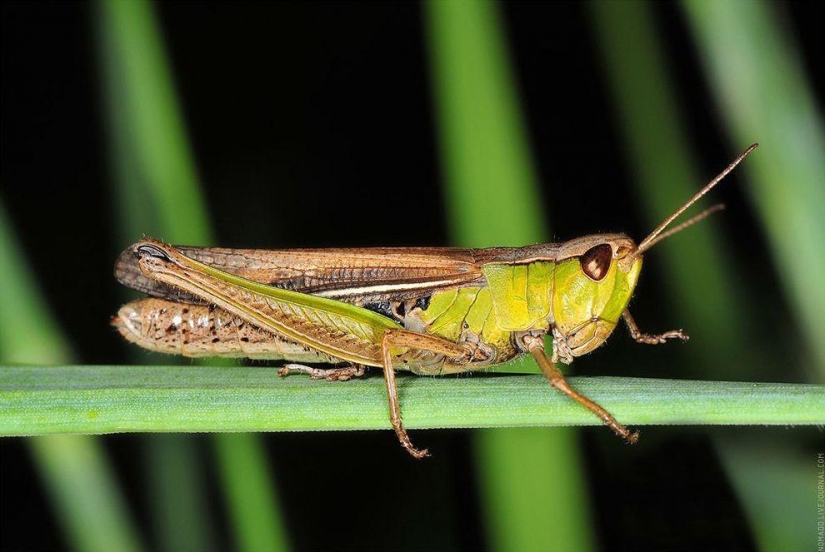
column 650, row 339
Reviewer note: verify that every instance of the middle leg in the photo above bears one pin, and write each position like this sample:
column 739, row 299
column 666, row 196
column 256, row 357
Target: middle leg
column 536, row 347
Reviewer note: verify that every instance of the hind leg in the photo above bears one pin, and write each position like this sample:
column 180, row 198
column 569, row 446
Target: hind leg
column 395, row 340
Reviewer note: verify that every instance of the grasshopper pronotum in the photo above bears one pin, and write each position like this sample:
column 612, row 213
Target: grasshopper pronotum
column 431, row 311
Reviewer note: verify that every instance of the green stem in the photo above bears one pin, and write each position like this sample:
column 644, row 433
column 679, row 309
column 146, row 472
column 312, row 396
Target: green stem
column 38, row 400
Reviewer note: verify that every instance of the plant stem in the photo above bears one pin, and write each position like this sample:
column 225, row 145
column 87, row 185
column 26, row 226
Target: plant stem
column 38, row 400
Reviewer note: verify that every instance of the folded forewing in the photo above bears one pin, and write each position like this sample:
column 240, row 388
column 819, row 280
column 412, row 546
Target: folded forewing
column 353, row 275
column 338, row 329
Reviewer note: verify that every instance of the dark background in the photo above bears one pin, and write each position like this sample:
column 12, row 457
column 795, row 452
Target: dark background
column 313, row 126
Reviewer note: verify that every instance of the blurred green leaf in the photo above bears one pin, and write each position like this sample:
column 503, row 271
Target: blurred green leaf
column 492, row 199
column 778, row 482
column 178, row 497
column 28, row 333
column 158, row 181
column 75, row 470
column 763, row 95
column 159, row 194
column 251, row 490
column 80, row 483
column 490, row 184
column 696, row 263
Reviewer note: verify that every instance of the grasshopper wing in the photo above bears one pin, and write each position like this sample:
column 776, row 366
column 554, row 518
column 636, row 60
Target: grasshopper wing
column 338, row 329
column 364, row 275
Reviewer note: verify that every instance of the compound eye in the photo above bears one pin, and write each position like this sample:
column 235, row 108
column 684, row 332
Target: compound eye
column 596, row 261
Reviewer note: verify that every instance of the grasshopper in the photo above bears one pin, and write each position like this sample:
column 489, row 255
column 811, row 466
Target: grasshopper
column 431, row 311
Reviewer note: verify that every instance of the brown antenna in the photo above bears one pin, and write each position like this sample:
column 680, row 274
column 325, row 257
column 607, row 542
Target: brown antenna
column 655, row 237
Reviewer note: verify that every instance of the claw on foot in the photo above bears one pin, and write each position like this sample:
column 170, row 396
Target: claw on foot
column 418, row 454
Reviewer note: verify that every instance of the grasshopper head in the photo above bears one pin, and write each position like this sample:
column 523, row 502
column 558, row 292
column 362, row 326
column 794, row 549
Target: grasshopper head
column 597, row 277
column 592, row 288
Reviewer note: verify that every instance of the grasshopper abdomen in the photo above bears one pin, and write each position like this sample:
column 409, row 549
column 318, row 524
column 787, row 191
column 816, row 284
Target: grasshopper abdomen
column 200, row 330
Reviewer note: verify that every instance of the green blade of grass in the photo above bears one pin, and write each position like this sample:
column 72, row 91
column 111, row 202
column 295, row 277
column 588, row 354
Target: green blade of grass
column 764, row 96
column 648, row 109
column 176, row 474
column 492, row 199
column 696, row 264
column 28, row 333
column 146, row 125
column 75, row 470
column 488, row 172
column 777, row 505
column 254, row 507
column 109, row 399
column 81, row 484
column 159, row 193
